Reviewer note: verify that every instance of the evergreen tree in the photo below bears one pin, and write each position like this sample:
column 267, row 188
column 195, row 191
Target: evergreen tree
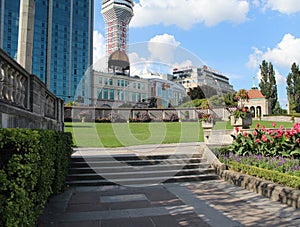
column 268, row 84
column 293, row 88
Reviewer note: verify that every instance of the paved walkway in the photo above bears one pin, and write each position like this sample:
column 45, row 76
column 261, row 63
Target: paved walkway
column 210, row 203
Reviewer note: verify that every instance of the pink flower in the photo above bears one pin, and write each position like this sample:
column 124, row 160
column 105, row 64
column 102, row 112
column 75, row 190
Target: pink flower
column 274, row 124
column 245, row 134
column 257, row 141
column 297, row 127
column 298, row 140
column 263, row 128
column 255, row 133
column 257, row 125
column 264, row 138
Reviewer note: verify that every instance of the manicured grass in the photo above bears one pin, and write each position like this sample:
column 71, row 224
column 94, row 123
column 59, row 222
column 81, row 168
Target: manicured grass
column 124, row 134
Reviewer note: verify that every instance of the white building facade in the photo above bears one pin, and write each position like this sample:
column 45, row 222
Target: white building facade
column 192, row 76
column 116, row 90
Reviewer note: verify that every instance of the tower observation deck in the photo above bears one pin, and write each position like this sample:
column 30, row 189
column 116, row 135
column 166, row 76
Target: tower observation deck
column 117, row 15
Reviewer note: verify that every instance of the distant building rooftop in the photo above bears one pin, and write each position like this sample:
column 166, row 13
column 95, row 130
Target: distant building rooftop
column 255, row 94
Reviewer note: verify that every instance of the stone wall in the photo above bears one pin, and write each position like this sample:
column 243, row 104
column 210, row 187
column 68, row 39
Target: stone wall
column 25, row 101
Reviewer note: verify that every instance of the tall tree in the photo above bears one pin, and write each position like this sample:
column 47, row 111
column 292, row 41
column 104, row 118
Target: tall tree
column 268, row 84
column 293, row 88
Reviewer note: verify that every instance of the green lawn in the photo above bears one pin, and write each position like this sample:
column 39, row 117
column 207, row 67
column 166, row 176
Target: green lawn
column 123, row 134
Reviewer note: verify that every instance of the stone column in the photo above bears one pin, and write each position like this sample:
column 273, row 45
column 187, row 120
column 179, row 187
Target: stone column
column 26, row 32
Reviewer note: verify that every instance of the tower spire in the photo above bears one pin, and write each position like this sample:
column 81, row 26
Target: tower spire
column 254, row 82
column 117, row 15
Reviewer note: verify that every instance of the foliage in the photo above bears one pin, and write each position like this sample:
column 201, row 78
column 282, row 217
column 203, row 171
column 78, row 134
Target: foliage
column 278, row 109
column 268, row 84
column 290, row 166
column 230, row 99
column 206, row 117
column 272, row 175
column 240, row 112
column 34, row 169
column 172, row 118
column 194, row 103
column 267, row 142
column 202, row 92
column 293, row 88
column 242, row 95
column 71, row 103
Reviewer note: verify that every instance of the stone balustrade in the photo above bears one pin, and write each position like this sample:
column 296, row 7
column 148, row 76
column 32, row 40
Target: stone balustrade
column 25, row 101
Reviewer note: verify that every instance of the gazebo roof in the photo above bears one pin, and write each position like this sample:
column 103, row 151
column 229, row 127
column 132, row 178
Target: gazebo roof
column 255, row 94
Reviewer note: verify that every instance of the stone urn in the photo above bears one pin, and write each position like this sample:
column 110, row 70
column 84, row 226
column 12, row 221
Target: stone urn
column 207, row 124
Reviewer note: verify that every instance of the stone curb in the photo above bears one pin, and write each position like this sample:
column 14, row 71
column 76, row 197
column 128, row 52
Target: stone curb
column 275, row 192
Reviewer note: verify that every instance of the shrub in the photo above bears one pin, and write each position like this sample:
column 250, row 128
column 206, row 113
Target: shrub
column 35, row 167
column 274, row 176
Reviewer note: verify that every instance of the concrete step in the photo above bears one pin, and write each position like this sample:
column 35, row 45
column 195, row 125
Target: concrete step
column 143, row 181
column 130, row 169
column 126, row 168
column 139, row 174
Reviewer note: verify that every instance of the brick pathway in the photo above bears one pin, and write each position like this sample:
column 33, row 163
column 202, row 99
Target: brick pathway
column 211, row 203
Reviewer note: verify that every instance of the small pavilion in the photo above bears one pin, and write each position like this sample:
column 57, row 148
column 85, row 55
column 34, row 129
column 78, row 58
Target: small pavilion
column 257, row 103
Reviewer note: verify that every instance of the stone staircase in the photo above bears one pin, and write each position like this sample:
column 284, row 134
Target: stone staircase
column 133, row 169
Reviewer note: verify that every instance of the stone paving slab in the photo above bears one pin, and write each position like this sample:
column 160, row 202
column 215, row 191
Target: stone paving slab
column 210, row 203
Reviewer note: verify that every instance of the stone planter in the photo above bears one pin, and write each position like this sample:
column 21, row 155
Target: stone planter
column 207, row 124
column 241, row 122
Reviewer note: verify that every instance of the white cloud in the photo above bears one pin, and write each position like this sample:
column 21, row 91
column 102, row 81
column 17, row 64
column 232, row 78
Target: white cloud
column 284, row 54
column 284, row 6
column 162, row 47
column 99, row 44
column 186, row 13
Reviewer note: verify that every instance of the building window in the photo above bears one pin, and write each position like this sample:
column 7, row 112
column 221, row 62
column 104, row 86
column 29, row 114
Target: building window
column 111, row 94
column 105, row 93
column 111, row 82
column 119, row 83
column 139, row 86
column 105, row 81
column 100, row 80
column 133, row 97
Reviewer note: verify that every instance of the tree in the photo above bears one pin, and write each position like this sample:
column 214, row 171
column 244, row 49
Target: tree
column 202, row 92
column 267, row 83
column 293, row 88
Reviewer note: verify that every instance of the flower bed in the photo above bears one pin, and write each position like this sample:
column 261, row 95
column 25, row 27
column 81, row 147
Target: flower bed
column 271, row 154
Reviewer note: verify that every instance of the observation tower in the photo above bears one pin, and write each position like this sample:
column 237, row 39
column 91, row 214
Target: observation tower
column 117, row 15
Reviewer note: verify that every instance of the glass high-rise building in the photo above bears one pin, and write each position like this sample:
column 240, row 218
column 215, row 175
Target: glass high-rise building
column 62, row 43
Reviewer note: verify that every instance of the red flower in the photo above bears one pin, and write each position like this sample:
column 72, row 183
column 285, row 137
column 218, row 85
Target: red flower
column 257, row 125
column 237, row 129
column 274, row 124
column 255, row 133
column 245, row 134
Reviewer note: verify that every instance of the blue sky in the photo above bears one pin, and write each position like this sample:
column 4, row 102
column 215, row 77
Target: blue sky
column 231, row 36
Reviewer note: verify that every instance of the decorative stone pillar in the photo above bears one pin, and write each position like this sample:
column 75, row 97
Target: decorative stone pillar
column 26, row 32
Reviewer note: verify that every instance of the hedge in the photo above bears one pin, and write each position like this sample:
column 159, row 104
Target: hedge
column 271, row 175
column 33, row 166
